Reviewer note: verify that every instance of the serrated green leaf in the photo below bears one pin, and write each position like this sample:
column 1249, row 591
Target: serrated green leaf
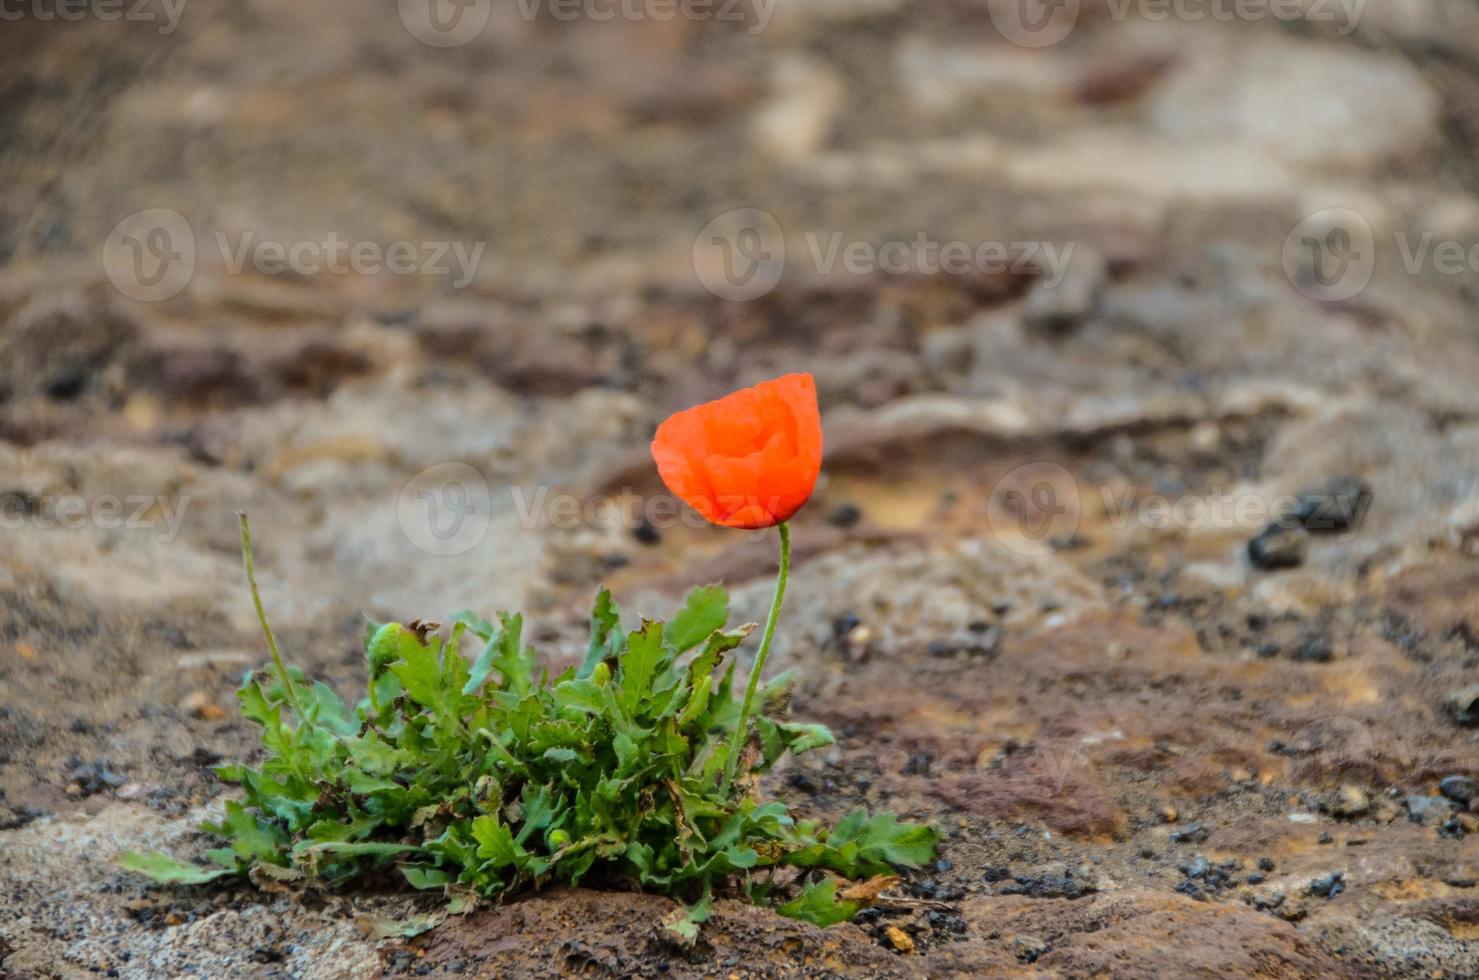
column 705, row 610
column 628, row 754
column 640, row 663
column 818, row 904
column 418, row 670
column 476, row 625
column 605, row 633
column 496, row 842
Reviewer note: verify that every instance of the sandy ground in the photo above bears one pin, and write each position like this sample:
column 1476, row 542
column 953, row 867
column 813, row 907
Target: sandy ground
column 1024, row 598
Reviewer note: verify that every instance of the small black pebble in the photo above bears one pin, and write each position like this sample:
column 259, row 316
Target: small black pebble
column 1192, row 833
column 845, row 516
column 799, row 780
column 1278, row 547
column 1265, row 864
column 1334, row 507
column 1329, row 886
column 1461, row 789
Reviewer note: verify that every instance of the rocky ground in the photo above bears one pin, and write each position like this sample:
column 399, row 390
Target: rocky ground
column 1024, row 599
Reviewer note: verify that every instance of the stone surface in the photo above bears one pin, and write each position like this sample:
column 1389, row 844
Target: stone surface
column 1023, row 597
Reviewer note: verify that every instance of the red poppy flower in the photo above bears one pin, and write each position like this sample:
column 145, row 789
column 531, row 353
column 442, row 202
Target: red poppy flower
column 748, row 460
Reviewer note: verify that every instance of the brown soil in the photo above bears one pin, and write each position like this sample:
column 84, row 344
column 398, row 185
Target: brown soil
column 1147, row 757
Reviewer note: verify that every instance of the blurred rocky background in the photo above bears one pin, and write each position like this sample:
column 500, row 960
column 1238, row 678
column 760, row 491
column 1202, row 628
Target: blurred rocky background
column 1146, row 556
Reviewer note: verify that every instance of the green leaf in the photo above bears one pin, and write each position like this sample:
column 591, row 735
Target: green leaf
column 804, row 737
column 540, row 808
column 353, row 849
column 686, row 923
column 705, row 610
column 883, row 839
column 166, row 870
column 628, row 754
column 416, row 666
column 476, row 625
column 605, row 633
column 425, row 877
column 505, row 653
column 818, row 904
column 640, row 662
column 329, row 711
column 496, row 842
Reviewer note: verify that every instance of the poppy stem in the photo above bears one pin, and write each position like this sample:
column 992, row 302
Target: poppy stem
column 251, row 574
column 741, row 730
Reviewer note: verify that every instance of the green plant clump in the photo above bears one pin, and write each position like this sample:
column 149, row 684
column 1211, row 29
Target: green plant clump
column 485, row 778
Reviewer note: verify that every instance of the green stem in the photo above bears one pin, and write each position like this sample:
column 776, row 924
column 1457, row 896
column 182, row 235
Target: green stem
column 282, row 670
column 741, row 729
